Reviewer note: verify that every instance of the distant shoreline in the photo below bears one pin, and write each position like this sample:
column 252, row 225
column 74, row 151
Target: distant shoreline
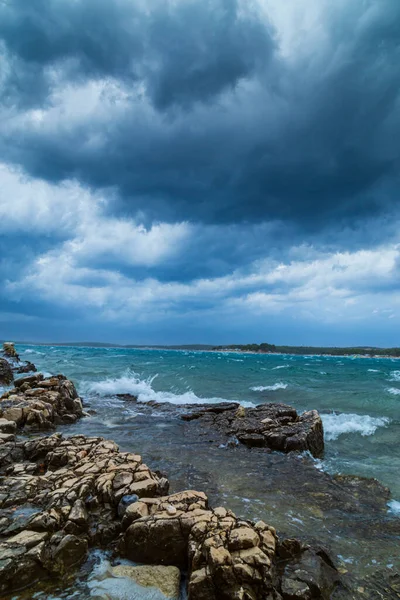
column 343, row 352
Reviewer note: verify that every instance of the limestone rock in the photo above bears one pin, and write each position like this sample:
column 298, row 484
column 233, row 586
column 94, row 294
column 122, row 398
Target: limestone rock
column 166, row 579
column 70, row 482
column 39, row 404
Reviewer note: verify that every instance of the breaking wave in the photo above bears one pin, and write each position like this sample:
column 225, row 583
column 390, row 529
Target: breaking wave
column 395, row 376
column 339, row 424
column 270, row 388
column 393, row 391
column 394, row 507
column 143, row 389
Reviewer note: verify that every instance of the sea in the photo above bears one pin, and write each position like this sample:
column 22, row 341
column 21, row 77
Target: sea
column 358, row 399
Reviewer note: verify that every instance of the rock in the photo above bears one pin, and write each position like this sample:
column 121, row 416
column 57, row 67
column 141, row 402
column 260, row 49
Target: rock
column 226, row 558
column 7, row 426
column 242, row 538
column 125, row 503
column 311, row 575
column 6, row 374
column 31, row 380
column 166, row 579
column 70, row 482
column 78, row 513
column 70, row 551
column 273, row 426
column 133, row 512
column 39, row 404
column 28, row 367
column 147, row 487
column 9, row 351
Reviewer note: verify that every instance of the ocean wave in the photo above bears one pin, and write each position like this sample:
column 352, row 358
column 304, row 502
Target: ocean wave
column 339, row 424
column 29, row 351
column 373, row 371
column 131, row 383
column 393, row 391
column 271, row 388
column 394, row 507
column 395, row 376
column 280, row 367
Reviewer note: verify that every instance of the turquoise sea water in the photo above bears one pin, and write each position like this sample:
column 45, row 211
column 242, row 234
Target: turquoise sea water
column 359, row 399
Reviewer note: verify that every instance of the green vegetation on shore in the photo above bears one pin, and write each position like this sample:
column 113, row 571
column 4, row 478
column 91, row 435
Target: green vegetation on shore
column 271, row 348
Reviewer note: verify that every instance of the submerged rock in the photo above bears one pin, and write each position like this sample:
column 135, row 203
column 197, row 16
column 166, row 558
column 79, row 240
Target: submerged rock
column 274, row 426
column 165, row 579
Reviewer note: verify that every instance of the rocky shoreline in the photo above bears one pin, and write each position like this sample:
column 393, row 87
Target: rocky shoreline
column 60, row 496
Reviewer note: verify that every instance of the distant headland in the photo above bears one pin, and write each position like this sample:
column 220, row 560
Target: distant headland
column 263, row 348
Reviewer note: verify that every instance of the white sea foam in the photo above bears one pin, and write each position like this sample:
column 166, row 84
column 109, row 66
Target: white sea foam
column 281, row 367
column 394, row 507
column 395, row 376
column 339, row 424
column 373, row 370
column 30, row 351
column 270, row 388
column 142, row 388
column 393, row 391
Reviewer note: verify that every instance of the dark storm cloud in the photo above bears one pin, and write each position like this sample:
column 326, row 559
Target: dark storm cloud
column 238, row 132
column 184, row 52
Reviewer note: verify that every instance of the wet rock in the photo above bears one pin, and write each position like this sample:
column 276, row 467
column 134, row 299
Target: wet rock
column 125, row 503
column 76, row 485
column 9, row 351
column 311, row 575
column 7, row 426
column 28, row 367
column 166, row 579
column 225, row 556
column 69, row 552
column 6, row 374
column 273, row 426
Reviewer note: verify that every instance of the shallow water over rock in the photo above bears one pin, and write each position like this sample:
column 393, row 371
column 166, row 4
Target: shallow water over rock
column 291, row 492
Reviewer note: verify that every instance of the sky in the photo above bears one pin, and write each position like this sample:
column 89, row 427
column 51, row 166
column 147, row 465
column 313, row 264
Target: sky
column 200, row 171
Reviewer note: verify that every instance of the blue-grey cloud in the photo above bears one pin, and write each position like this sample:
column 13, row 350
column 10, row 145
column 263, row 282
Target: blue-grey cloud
column 199, row 165
column 234, row 130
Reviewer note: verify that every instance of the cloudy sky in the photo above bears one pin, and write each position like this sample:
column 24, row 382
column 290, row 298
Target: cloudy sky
column 210, row 171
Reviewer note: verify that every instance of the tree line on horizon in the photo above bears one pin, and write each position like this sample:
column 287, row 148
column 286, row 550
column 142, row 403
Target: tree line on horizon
column 265, row 348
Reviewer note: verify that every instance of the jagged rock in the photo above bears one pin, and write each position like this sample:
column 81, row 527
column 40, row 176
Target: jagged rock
column 166, row 579
column 311, row 575
column 7, row 426
column 9, row 351
column 40, row 404
column 6, row 374
column 76, row 485
column 28, row 367
column 226, row 557
column 274, row 426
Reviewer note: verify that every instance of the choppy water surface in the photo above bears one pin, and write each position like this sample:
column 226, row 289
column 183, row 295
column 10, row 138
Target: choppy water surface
column 359, row 400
